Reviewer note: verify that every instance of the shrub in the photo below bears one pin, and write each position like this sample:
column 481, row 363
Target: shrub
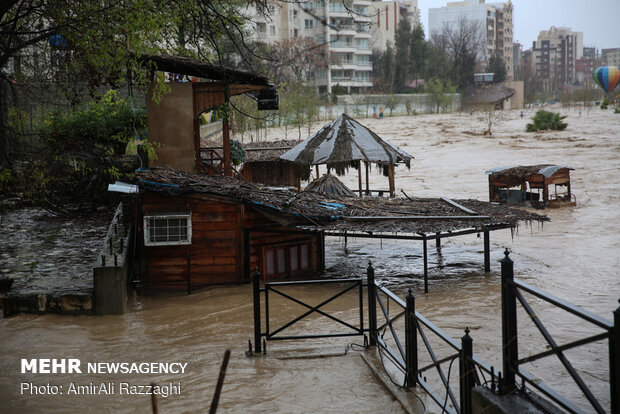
column 544, row 120
column 605, row 103
column 108, row 123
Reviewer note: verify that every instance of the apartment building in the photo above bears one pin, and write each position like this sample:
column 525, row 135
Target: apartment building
column 386, row 17
column 494, row 19
column 610, row 57
column 343, row 26
column 555, row 54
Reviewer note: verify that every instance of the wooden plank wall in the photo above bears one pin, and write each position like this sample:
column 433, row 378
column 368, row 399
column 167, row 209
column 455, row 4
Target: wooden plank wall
column 215, row 255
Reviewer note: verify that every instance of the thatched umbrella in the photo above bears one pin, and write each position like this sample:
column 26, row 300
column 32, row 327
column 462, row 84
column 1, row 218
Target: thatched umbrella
column 345, row 143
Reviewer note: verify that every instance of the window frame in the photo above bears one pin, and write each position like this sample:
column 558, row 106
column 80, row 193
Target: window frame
column 166, row 216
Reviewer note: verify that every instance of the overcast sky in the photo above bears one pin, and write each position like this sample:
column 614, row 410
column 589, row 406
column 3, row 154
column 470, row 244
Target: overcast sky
column 599, row 20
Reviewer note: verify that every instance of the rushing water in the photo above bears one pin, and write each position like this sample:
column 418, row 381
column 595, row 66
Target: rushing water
column 575, row 257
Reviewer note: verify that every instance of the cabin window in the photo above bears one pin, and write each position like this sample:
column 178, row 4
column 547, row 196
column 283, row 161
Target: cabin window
column 168, row 229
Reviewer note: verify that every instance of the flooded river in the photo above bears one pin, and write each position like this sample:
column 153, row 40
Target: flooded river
column 575, row 256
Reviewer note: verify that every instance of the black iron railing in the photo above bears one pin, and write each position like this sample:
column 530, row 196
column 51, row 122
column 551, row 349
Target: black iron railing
column 472, row 370
column 511, row 292
column 269, row 334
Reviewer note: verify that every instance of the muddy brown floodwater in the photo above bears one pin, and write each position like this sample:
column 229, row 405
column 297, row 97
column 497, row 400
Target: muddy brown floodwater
column 575, row 256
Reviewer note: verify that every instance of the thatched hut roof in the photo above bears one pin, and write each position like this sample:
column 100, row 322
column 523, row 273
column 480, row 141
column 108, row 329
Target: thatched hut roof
column 267, row 150
column 481, row 95
column 329, row 184
column 342, row 143
column 319, row 211
column 517, row 175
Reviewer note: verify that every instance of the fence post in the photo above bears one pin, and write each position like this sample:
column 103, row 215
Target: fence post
column 509, row 325
column 411, row 342
column 256, row 291
column 614, row 363
column 466, row 369
column 372, row 305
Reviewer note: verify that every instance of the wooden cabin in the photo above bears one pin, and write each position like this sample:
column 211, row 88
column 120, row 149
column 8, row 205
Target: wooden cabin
column 263, row 164
column 537, row 185
column 188, row 239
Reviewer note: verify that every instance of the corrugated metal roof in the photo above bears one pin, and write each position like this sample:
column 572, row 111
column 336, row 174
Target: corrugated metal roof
column 545, row 169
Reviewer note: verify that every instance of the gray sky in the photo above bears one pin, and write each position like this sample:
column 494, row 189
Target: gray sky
column 597, row 19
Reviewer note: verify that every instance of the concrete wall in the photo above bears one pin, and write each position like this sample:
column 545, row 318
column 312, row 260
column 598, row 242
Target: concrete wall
column 516, row 100
column 171, row 127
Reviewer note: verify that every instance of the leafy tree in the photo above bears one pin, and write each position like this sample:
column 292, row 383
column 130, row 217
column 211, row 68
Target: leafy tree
column 545, row 120
column 107, row 124
column 438, row 92
column 383, row 68
column 402, row 42
column 498, row 67
column 418, row 52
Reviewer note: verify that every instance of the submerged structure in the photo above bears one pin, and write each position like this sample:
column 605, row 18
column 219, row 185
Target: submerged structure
column 263, row 165
column 345, row 143
column 539, row 186
column 196, row 230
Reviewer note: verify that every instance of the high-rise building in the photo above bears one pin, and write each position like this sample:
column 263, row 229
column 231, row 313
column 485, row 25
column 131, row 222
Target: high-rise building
column 386, row 16
column 493, row 19
column 555, row 54
column 344, row 26
column 610, row 56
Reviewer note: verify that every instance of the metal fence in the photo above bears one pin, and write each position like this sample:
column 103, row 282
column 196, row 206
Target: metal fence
column 473, row 371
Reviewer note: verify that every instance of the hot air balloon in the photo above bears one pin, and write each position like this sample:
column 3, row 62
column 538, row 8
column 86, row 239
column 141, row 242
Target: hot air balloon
column 607, row 77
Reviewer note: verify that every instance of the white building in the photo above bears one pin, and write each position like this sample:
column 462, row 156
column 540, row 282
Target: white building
column 494, row 20
column 344, row 26
column 385, row 18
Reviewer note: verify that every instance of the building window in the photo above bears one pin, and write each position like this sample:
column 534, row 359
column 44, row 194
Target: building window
column 272, row 30
column 309, row 23
column 286, row 260
column 168, row 229
column 261, row 27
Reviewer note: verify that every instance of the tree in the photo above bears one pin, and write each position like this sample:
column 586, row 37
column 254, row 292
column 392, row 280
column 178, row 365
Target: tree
column 493, row 114
column 383, row 69
column 498, row 68
column 101, row 41
column 438, row 91
column 402, row 61
column 462, row 44
column 418, row 52
column 297, row 59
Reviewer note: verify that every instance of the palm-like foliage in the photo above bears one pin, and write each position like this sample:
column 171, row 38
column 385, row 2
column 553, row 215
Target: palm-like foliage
column 544, row 120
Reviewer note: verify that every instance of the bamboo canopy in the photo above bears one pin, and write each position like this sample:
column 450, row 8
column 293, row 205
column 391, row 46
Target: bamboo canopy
column 345, row 143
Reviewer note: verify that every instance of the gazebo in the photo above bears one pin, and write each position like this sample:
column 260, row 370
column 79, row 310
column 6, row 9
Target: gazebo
column 345, row 143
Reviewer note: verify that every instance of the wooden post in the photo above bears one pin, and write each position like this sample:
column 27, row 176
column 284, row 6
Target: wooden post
column 257, row 323
column 317, row 170
column 246, row 255
column 391, row 179
column 437, row 241
column 226, row 145
column 425, row 265
column 359, row 176
column 372, row 304
column 487, row 252
column 367, row 185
